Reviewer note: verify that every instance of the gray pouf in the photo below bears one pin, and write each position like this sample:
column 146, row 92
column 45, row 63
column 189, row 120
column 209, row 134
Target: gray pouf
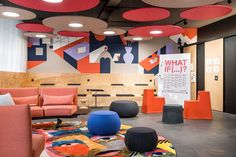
column 172, row 114
column 125, row 108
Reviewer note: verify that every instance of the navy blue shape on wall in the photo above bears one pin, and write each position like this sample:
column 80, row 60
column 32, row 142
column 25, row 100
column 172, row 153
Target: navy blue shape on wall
column 115, row 45
column 105, row 65
column 70, row 60
column 32, row 56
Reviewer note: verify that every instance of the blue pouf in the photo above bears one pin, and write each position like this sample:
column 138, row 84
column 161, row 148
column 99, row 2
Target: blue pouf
column 103, row 123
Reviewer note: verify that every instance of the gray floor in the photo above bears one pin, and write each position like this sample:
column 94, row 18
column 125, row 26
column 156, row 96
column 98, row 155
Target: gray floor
column 194, row 138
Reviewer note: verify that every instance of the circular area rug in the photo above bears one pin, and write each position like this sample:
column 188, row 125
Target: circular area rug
column 72, row 139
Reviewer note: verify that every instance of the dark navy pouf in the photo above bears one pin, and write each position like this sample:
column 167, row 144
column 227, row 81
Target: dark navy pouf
column 141, row 139
column 125, row 108
column 172, row 114
column 103, row 123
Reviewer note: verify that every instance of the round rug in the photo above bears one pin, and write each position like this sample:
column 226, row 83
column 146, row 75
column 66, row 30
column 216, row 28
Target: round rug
column 73, row 139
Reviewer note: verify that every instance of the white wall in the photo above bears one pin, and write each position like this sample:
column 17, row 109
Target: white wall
column 13, row 47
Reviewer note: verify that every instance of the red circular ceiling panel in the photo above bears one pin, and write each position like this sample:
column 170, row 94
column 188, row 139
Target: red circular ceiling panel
column 64, row 6
column 206, row 12
column 73, row 34
column 146, row 14
column 34, row 27
column 156, row 31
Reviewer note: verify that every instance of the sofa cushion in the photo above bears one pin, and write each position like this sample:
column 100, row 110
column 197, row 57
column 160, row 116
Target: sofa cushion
column 58, row 100
column 36, row 111
column 29, row 100
column 6, row 100
column 38, row 144
column 59, row 110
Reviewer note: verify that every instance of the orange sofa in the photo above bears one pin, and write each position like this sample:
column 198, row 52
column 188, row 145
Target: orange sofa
column 45, row 102
column 16, row 135
column 200, row 108
column 152, row 104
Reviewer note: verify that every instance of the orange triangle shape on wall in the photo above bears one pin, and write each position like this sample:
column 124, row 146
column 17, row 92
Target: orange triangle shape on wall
column 31, row 64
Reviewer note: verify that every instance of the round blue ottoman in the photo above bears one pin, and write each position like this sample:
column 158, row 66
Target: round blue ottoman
column 103, row 123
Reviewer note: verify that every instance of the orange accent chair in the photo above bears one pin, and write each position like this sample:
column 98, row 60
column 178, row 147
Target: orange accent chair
column 152, row 104
column 16, row 133
column 200, row 108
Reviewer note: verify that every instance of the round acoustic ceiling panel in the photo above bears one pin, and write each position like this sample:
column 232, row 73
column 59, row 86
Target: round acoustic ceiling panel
column 156, row 31
column 206, row 12
column 136, row 38
column 180, row 3
column 34, row 27
column 58, row 5
column 75, row 23
column 39, row 35
column 73, row 34
column 16, row 13
column 109, row 31
column 146, row 14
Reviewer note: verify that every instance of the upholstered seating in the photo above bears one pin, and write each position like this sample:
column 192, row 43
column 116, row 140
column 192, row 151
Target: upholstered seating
column 141, row 139
column 103, row 123
column 199, row 109
column 16, row 133
column 124, row 108
column 152, row 104
column 172, row 114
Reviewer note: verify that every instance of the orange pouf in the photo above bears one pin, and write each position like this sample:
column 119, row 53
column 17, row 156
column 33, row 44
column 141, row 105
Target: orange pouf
column 152, row 104
column 198, row 109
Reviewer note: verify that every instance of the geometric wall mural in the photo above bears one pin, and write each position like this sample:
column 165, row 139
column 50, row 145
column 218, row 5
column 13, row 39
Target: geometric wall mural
column 189, row 36
column 37, row 52
column 96, row 54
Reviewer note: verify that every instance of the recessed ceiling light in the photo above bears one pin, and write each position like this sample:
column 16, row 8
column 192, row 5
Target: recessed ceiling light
column 40, row 36
column 76, row 25
column 109, row 32
column 10, row 14
column 53, row 1
column 137, row 38
column 155, row 32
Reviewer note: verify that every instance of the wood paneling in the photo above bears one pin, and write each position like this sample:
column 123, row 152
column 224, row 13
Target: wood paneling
column 85, row 82
column 214, row 49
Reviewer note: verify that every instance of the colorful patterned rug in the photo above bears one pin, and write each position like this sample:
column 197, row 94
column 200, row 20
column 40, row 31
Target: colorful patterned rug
column 72, row 139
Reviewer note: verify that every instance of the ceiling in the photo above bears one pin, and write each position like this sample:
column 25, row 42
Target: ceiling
column 111, row 11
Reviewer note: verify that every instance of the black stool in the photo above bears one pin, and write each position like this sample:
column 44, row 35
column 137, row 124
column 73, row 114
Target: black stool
column 172, row 114
column 141, row 139
column 125, row 108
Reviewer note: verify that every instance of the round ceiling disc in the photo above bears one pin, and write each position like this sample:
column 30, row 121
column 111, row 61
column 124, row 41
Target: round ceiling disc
column 180, row 3
column 62, row 23
column 34, row 35
column 23, row 14
column 137, row 38
column 73, row 34
column 146, row 14
column 64, row 6
column 206, row 12
column 34, row 27
column 116, row 31
column 161, row 30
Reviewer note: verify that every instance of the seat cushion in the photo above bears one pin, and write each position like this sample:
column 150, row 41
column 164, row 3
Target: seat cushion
column 38, row 144
column 36, row 111
column 59, row 110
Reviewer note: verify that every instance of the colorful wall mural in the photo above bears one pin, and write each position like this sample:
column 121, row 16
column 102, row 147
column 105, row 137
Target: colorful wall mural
column 96, row 54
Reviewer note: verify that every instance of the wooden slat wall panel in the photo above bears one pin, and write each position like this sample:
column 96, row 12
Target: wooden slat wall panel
column 86, row 81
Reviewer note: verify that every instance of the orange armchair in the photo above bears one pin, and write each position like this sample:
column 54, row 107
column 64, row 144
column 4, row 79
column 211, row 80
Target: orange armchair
column 16, row 134
column 198, row 109
column 152, row 104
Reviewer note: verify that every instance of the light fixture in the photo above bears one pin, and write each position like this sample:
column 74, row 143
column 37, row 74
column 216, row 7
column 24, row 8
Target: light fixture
column 76, row 25
column 137, row 39
column 10, row 14
column 155, row 32
column 53, row 1
column 109, row 32
column 40, row 36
